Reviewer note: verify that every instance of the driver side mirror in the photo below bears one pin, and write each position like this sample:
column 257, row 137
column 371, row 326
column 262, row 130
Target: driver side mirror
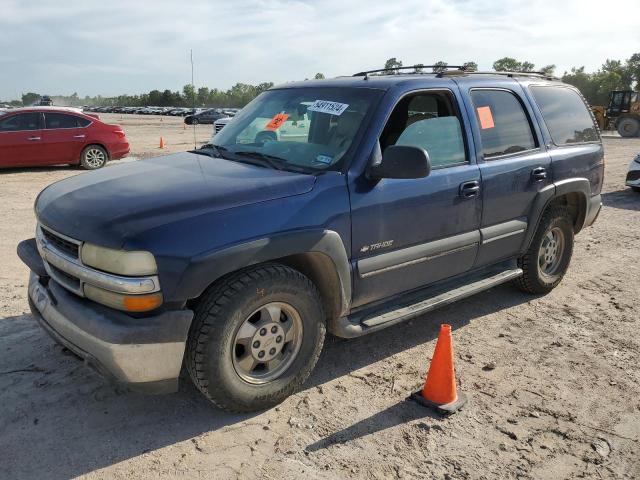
column 400, row 161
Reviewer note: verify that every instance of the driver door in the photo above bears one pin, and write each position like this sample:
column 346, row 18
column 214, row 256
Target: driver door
column 410, row 233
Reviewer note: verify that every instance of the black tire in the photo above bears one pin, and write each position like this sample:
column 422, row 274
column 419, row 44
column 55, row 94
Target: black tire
column 220, row 313
column 93, row 157
column 195, row 121
column 534, row 280
column 628, row 127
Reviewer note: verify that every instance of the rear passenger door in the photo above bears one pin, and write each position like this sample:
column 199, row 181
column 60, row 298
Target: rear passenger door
column 63, row 137
column 514, row 167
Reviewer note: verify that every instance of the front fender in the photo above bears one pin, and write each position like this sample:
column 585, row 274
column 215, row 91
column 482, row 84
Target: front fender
column 211, row 266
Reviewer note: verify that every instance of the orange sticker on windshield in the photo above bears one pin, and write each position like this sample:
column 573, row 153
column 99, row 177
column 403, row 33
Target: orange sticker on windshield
column 486, row 117
column 277, row 121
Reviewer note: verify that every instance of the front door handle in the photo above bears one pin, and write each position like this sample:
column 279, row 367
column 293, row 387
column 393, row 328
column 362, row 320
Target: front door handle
column 539, row 174
column 34, row 139
column 469, row 189
column 78, row 136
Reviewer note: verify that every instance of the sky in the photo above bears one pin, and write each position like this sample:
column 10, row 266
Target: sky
column 121, row 46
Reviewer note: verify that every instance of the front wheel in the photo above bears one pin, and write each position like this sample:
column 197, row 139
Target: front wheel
column 548, row 257
column 629, row 127
column 255, row 338
column 93, row 157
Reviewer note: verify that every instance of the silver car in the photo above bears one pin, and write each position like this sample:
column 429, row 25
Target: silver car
column 633, row 175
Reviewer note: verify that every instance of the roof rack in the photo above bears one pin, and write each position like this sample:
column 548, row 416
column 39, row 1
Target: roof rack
column 506, row 74
column 452, row 70
column 459, row 68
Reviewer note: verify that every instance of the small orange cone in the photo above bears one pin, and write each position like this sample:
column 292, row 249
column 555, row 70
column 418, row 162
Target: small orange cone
column 439, row 391
column 161, row 142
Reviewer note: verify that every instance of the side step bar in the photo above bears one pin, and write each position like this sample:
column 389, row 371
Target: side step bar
column 361, row 323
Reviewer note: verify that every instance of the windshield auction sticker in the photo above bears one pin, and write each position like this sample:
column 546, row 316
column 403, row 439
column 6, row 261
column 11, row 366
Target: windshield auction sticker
column 325, row 106
column 276, row 122
column 486, row 117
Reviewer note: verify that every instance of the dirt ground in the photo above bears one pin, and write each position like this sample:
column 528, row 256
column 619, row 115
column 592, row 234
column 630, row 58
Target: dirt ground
column 553, row 381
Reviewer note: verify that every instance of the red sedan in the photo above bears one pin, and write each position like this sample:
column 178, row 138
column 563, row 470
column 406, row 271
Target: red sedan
column 37, row 136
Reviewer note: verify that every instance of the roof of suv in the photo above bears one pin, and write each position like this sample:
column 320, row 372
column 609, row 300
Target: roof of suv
column 384, row 82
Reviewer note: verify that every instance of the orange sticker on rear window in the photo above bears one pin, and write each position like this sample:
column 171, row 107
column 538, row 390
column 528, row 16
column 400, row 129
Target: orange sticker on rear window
column 486, row 117
column 277, row 121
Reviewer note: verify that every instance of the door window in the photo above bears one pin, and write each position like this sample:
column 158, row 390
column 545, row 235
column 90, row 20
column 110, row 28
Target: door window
column 504, row 126
column 21, row 122
column 60, row 120
column 566, row 115
column 428, row 121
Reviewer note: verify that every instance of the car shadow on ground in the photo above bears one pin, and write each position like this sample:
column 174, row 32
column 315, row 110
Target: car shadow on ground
column 53, row 168
column 624, row 199
column 52, row 392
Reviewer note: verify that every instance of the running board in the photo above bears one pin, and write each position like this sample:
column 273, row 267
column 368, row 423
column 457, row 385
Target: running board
column 361, row 323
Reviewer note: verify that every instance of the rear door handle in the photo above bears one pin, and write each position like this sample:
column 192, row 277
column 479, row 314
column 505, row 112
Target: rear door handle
column 34, row 139
column 469, row 189
column 78, row 136
column 539, row 173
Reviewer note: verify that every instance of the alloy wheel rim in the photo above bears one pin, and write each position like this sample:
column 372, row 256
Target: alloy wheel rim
column 266, row 343
column 551, row 252
column 95, row 158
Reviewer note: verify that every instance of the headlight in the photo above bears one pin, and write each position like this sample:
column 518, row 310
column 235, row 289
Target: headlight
column 120, row 262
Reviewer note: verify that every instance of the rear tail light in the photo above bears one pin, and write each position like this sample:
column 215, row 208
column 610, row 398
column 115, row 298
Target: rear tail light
column 119, row 133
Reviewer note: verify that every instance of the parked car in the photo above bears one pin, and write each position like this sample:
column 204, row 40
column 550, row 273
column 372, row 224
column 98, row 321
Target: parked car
column 633, row 175
column 219, row 125
column 407, row 193
column 206, row 116
column 39, row 136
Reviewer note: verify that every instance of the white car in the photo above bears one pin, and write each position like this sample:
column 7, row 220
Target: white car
column 633, row 175
column 219, row 125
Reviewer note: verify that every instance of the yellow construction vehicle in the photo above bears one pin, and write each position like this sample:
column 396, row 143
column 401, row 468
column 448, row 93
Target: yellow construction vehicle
column 623, row 112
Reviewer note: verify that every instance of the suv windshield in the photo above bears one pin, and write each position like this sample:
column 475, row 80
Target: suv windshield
column 302, row 128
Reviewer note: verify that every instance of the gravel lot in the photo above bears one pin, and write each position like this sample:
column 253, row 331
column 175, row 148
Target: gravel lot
column 554, row 381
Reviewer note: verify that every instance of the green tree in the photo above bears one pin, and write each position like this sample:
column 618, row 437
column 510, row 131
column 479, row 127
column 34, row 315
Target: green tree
column 29, row 98
column 189, row 94
column 439, row 66
column 419, row 68
column 390, row 65
column 548, row 69
column 471, row 66
column 633, row 68
column 509, row 64
column 319, row 76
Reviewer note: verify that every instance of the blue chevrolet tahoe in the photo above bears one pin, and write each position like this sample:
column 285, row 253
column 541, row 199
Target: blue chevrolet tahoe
column 394, row 195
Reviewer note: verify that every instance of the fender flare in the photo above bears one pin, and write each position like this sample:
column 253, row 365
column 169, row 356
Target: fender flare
column 209, row 267
column 545, row 196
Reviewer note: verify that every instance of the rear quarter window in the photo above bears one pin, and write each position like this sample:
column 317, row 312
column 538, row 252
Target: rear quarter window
column 566, row 115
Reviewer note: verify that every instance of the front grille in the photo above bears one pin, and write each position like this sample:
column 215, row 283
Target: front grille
column 218, row 127
column 633, row 175
column 61, row 244
column 65, row 279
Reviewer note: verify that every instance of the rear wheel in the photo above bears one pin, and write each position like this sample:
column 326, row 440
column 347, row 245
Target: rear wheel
column 629, row 127
column 256, row 336
column 549, row 254
column 93, row 157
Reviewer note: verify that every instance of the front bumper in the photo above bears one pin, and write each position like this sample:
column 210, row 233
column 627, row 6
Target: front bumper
column 633, row 175
column 144, row 354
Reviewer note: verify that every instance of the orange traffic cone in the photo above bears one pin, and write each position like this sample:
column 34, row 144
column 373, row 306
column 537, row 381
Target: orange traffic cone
column 439, row 391
column 161, row 142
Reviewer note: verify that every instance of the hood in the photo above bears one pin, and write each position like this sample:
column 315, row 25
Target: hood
column 114, row 204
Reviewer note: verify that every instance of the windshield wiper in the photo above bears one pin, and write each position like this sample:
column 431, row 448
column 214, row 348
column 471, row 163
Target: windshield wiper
column 210, row 150
column 270, row 160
